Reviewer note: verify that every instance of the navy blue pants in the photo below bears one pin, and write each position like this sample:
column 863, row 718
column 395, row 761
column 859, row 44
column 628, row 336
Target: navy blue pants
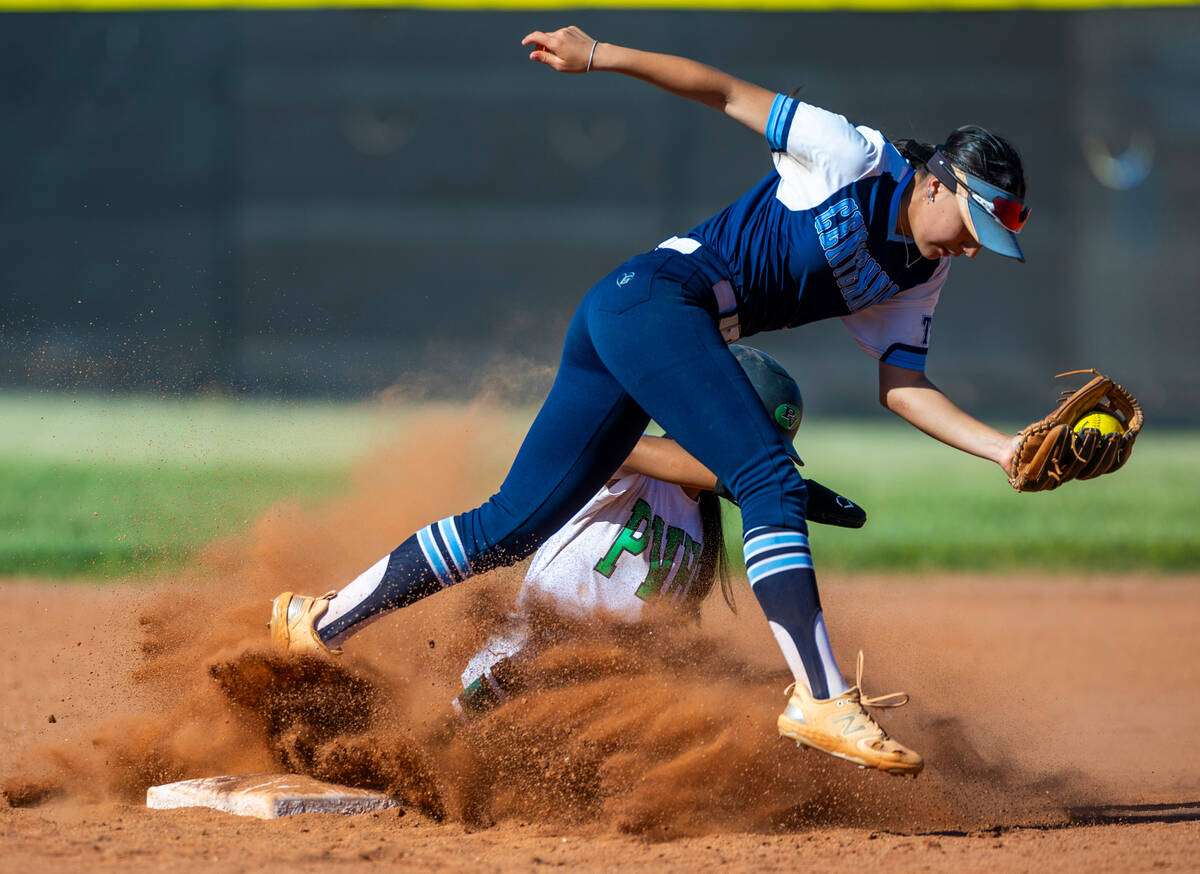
column 643, row 345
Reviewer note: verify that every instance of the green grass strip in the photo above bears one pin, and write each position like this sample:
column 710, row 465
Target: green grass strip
column 932, row 508
column 103, row 520
column 112, row 486
column 107, row 487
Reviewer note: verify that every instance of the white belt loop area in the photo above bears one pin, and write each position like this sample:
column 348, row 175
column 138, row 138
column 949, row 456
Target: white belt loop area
column 727, row 317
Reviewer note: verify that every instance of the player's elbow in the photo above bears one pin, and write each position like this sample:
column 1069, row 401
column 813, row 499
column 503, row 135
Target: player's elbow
column 892, row 398
column 897, row 387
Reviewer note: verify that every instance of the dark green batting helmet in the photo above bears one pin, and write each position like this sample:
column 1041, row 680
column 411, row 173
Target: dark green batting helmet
column 776, row 389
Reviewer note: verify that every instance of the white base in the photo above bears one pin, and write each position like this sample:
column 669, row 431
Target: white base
column 266, row 796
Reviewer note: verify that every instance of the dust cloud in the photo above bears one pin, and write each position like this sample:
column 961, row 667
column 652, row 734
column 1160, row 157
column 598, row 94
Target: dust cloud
column 664, row 730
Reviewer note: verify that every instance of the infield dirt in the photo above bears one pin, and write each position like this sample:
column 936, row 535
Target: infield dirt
column 1058, row 718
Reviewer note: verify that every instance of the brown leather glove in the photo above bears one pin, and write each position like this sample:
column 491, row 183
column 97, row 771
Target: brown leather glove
column 1050, row 453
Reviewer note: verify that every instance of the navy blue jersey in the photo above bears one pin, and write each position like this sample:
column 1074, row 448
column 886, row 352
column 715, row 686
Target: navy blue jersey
column 816, row 238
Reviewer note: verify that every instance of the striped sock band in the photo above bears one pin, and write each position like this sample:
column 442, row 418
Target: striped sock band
column 443, row 549
column 429, row 561
column 780, row 567
column 771, row 550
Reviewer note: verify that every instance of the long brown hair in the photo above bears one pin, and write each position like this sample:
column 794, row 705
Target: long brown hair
column 714, row 563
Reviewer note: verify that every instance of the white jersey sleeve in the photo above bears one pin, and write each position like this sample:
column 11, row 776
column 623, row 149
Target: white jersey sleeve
column 896, row 331
column 817, row 151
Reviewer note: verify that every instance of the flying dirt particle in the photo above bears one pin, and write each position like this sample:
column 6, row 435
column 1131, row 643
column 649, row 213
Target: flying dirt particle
column 51, row 719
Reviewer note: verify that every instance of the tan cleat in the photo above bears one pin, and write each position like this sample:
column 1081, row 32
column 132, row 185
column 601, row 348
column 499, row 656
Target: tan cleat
column 293, row 624
column 842, row 727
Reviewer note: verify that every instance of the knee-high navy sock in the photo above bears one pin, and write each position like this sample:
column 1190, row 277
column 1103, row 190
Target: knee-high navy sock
column 429, row 561
column 779, row 565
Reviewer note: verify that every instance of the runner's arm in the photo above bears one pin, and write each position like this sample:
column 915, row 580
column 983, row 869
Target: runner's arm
column 664, row 459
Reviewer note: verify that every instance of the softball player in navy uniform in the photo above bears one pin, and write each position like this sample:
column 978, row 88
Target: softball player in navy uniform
column 846, row 224
column 652, row 535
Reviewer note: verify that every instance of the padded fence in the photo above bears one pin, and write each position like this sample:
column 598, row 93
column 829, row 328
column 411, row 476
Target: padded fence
column 334, row 202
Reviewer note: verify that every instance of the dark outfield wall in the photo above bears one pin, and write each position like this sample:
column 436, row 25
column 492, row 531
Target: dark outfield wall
column 335, row 202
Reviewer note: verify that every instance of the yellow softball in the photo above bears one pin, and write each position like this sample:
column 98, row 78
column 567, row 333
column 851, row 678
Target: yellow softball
column 1105, row 423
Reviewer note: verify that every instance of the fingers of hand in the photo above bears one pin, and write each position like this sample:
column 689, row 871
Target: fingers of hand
column 553, row 43
column 541, row 49
column 566, row 50
column 542, row 56
column 536, row 38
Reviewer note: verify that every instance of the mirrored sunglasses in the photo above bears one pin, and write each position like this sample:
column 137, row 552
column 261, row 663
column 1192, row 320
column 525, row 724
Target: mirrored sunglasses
column 1003, row 207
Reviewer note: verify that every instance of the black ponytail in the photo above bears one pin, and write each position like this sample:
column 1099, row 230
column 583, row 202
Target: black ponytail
column 976, row 150
column 988, row 156
column 915, row 152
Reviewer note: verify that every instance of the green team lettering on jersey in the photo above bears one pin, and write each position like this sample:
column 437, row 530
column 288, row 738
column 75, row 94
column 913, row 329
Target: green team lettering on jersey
column 665, row 542
column 661, row 558
column 628, row 540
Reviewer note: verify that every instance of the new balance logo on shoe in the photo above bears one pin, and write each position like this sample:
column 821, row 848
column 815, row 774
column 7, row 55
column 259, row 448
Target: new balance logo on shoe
column 849, row 727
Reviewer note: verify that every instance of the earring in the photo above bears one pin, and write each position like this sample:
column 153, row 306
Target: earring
column 930, row 195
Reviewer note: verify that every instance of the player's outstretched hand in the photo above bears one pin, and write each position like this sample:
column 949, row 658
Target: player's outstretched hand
column 567, row 50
